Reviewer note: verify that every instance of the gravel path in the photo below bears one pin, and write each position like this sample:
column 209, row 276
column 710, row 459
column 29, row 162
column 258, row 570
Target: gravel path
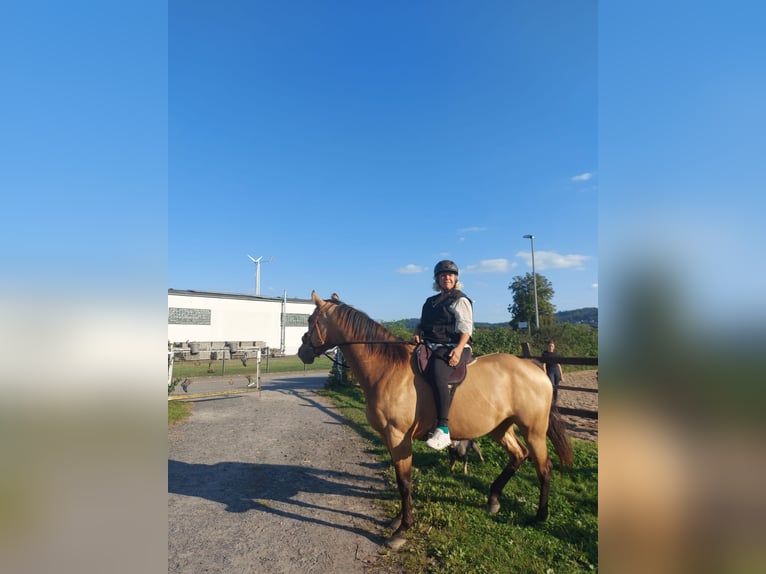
column 251, row 489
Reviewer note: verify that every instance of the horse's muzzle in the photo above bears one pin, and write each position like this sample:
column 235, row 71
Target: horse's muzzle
column 306, row 354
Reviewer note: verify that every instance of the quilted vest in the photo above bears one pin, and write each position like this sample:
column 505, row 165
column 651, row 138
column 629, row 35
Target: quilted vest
column 437, row 321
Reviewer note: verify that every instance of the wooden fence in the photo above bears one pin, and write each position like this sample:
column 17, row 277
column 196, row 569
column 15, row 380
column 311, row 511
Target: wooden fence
column 526, row 353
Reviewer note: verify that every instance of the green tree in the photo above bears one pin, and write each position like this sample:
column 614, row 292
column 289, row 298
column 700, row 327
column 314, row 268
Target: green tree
column 523, row 307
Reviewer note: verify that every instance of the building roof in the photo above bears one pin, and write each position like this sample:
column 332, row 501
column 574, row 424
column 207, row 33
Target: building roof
column 243, row 296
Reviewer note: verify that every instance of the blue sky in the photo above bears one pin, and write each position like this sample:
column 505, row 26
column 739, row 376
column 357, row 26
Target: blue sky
column 682, row 134
column 140, row 151
column 358, row 146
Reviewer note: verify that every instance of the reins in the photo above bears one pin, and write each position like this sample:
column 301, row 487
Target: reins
column 343, row 363
column 375, row 343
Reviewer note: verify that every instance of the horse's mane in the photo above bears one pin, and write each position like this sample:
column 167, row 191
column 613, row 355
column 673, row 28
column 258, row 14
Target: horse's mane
column 360, row 327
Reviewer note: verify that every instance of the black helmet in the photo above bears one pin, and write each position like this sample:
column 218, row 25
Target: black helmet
column 445, row 266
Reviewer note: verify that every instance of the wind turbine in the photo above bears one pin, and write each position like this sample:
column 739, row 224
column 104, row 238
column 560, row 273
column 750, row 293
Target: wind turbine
column 258, row 272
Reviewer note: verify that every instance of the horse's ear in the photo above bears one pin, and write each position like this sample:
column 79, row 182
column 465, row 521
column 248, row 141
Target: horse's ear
column 316, row 298
column 335, row 298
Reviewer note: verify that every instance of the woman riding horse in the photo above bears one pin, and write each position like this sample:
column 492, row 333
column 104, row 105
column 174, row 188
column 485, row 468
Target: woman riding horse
column 446, row 325
column 500, row 394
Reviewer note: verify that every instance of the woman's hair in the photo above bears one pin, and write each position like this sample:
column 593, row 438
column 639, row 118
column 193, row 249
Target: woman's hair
column 458, row 285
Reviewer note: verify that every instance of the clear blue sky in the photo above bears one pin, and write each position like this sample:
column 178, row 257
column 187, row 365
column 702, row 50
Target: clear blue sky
column 682, row 135
column 145, row 147
column 360, row 143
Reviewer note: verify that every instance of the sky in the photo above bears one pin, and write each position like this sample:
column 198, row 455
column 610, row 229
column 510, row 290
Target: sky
column 682, row 131
column 357, row 147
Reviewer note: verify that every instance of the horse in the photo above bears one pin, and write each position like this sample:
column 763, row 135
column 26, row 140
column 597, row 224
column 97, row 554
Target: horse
column 501, row 393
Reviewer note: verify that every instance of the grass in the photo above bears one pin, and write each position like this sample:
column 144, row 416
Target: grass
column 453, row 533
column 178, row 411
column 204, row 368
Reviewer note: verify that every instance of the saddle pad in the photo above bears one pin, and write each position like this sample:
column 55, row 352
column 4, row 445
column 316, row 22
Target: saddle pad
column 423, row 355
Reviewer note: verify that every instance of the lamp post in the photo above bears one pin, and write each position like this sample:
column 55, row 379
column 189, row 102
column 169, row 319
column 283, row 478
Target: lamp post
column 534, row 279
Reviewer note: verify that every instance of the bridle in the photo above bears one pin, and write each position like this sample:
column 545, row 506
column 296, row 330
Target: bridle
column 322, row 347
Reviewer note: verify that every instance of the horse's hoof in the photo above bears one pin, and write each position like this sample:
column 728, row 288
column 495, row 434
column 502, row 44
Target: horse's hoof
column 493, row 508
column 395, row 542
column 396, row 523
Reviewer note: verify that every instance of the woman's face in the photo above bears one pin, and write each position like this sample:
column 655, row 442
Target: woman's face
column 447, row 281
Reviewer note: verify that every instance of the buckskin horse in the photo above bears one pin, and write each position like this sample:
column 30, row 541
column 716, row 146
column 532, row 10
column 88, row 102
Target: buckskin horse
column 500, row 393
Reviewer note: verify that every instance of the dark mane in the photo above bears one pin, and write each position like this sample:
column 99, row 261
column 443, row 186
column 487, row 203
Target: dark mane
column 360, row 327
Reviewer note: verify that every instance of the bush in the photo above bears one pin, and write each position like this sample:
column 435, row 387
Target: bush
column 571, row 340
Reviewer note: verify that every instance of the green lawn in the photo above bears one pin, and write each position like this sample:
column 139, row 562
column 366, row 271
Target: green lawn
column 204, row 368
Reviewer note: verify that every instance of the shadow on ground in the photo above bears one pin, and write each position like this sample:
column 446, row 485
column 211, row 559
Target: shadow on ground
column 274, row 489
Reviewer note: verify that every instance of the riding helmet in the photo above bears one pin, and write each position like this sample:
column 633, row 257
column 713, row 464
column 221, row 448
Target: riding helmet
column 445, row 266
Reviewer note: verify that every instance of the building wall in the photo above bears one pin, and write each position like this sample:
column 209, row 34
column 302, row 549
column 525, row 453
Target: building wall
column 219, row 317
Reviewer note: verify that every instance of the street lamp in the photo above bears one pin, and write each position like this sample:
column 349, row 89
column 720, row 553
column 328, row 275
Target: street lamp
column 534, row 279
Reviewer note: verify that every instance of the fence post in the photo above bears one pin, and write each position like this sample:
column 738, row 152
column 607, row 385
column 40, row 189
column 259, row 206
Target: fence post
column 170, row 366
column 525, row 352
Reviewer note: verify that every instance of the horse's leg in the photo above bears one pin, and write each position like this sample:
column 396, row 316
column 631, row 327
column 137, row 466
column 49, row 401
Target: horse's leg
column 539, row 448
column 401, row 454
column 506, row 437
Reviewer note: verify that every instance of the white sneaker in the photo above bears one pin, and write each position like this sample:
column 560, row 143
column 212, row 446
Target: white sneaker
column 439, row 440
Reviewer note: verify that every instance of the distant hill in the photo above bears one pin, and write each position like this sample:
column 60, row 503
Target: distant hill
column 584, row 316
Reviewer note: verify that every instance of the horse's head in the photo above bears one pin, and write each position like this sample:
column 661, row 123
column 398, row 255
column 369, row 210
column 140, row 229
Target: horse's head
column 316, row 340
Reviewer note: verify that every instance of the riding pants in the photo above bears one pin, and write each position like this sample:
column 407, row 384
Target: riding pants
column 439, row 372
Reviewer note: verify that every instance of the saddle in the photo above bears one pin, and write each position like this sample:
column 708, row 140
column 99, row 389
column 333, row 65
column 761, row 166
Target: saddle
column 424, row 354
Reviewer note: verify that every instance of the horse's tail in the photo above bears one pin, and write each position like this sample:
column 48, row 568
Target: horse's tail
column 559, row 438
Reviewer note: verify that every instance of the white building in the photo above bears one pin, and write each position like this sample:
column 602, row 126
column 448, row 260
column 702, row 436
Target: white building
column 211, row 320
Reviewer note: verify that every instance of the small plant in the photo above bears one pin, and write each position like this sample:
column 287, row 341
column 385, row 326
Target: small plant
column 173, row 384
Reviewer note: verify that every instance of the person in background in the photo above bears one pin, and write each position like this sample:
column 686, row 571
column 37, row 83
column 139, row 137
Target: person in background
column 446, row 326
column 552, row 368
